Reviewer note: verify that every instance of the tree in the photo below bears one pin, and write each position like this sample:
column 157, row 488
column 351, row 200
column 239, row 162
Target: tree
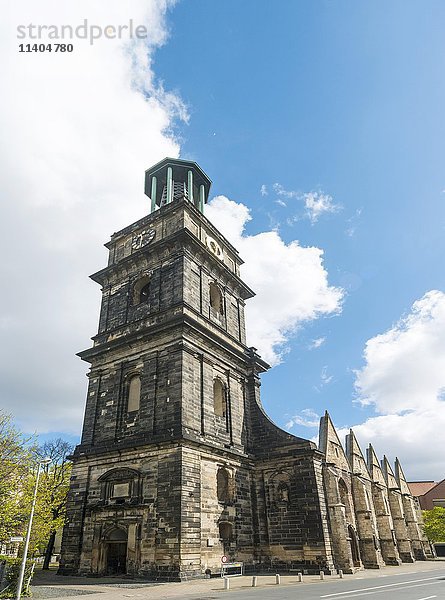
column 15, row 464
column 435, row 524
column 19, row 462
column 51, row 501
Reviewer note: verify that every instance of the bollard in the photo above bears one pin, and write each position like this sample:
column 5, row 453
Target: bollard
column 300, row 577
column 277, row 579
column 322, row 575
column 226, row 583
column 340, row 574
column 254, row 581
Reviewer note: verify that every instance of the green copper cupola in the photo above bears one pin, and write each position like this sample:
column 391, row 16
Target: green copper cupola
column 173, row 179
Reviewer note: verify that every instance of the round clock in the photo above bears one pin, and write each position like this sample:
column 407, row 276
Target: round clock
column 143, row 238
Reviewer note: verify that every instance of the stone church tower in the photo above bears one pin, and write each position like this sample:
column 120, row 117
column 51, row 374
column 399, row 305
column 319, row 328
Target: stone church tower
column 178, row 463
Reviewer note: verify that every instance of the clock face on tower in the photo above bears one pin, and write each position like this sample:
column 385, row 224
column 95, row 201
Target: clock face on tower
column 143, row 238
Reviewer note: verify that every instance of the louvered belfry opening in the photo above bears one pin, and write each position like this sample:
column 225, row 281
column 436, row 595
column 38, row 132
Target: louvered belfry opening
column 179, row 191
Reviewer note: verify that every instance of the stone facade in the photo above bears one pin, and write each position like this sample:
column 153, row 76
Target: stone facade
column 178, row 463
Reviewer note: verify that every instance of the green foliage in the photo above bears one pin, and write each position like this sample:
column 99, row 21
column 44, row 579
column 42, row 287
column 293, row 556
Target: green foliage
column 12, row 568
column 15, row 464
column 19, row 461
column 435, row 524
column 53, row 489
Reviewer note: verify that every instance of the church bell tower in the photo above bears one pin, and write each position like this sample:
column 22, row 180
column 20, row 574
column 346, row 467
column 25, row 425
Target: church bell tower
column 164, row 479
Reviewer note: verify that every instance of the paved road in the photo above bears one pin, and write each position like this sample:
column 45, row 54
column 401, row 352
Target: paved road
column 416, row 586
column 420, row 581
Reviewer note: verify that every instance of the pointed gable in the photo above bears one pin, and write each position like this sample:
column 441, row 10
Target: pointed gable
column 388, row 473
column 374, row 468
column 401, row 479
column 330, row 444
column 355, row 456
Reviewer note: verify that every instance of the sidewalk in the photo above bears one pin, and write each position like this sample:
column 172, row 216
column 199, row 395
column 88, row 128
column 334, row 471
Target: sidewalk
column 48, row 585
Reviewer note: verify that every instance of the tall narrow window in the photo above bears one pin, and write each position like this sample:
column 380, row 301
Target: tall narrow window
column 224, row 486
column 219, row 398
column 134, row 394
column 344, row 499
column 216, row 299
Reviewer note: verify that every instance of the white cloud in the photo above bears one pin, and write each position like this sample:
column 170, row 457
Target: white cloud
column 315, row 203
column 281, row 191
column 290, row 280
column 325, row 378
column 307, row 418
column 263, row 190
column 405, row 366
column 318, row 203
column 415, row 438
column 317, row 343
column 80, row 130
column 404, row 380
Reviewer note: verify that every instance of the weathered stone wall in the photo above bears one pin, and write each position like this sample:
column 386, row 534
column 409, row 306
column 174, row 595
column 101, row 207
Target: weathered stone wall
column 338, row 491
column 400, row 526
column 235, row 511
column 413, row 529
column 293, row 516
column 197, row 469
column 149, row 515
column 366, row 523
column 385, row 525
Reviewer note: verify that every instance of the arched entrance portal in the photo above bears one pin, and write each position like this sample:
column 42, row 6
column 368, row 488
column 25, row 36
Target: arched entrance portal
column 116, row 547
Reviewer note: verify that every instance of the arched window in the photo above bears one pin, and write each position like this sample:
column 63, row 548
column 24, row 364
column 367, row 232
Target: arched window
column 134, row 393
column 224, row 486
column 141, row 290
column 219, row 398
column 343, row 491
column 216, row 299
column 225, row 530
column 344, row 499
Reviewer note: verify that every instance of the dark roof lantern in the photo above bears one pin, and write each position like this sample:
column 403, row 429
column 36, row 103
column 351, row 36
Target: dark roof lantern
column 173, row 179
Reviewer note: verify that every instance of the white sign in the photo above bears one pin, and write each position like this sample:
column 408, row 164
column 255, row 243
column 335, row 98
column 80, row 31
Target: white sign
column 17, row 538
column 234, row 569
column 224, row 559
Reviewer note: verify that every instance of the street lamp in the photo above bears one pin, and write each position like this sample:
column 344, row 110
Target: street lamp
column 44, row 463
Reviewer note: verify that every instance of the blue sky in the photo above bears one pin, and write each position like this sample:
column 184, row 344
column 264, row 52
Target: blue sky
column 344, row 97
column 279, row 103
